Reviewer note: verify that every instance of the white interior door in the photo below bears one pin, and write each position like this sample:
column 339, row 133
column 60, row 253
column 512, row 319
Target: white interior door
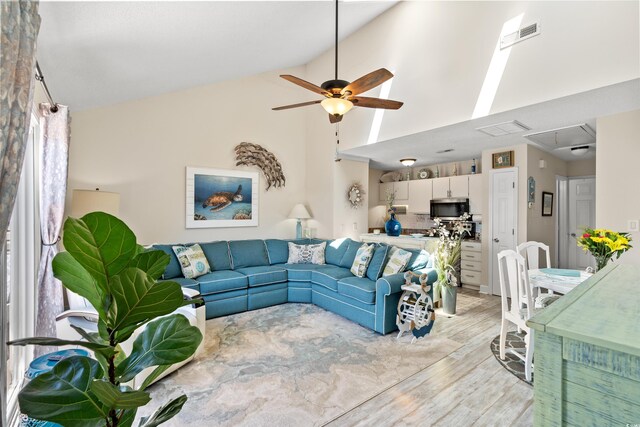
column 504, row 219
column 582, row 213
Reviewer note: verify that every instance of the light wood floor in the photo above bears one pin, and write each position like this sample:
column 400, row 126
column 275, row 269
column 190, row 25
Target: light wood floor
column 468, row 387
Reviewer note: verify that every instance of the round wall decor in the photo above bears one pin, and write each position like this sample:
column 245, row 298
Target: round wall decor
column 355, row 195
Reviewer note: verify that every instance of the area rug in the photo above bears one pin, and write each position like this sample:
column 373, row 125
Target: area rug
column 290, row 365
column 511, row 362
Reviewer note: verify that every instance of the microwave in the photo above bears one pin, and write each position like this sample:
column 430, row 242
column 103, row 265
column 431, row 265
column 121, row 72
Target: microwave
column 449, row 209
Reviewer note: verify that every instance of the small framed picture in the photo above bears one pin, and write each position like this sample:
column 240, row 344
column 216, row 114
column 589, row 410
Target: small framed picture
column 503, row 160
column 547, row 204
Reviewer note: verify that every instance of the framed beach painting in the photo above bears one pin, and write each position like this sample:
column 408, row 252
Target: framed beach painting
column 221, row 198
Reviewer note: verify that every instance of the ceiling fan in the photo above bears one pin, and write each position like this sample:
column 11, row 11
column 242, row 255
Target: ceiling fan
column 341, row 95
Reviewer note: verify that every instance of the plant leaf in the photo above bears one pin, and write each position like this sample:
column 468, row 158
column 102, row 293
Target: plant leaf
column 77, row 279
column 62, row 395
column 159, row 370
column 119, row 397
column 101, row 243
column 165, row 412
column 137, row 299
column 103, row 348
column 164, row 341
column 152, row 262
column 127, row 417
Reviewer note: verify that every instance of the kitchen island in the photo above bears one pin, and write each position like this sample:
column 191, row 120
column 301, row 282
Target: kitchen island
column 403, row 241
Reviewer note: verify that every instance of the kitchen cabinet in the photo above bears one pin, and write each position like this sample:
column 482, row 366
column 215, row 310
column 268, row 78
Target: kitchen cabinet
column 401, row 188
column 476, row 194
column 451, row 186
column 471, row 265
column 420, row 194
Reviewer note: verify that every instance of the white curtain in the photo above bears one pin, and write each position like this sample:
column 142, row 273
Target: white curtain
column 53, row 189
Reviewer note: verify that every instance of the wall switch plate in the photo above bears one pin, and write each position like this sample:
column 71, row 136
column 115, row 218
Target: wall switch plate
column 633, row 225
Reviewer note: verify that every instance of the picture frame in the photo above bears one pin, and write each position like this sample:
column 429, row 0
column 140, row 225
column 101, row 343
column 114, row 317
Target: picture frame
column 503, row 159
column 547, row 203
column 221, row 198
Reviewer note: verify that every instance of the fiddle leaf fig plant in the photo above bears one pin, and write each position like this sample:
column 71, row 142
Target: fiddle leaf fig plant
column 104, row 264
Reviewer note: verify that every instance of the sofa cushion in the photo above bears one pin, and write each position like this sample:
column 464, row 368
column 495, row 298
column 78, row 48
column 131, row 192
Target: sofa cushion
column 306, row 254
column 185, row 283
column 192, row 261
column 335, row 250
column 350, row 253
column 217, row 254
column 419, row 259
column 248, row 253
column 278, row 249
column 359, row 288
column 264, row 275
column 222, row 281
column 398, row 260
column 362, row 259
column 173, row 268
column 378, row 260
column 301, row 272
column 329, row 276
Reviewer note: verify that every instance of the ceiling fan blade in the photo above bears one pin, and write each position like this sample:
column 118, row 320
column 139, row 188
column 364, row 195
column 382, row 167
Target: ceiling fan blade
column 302, row 104
column 368, row 81
column 305, row 84
column 334, row 119
column 363, row 101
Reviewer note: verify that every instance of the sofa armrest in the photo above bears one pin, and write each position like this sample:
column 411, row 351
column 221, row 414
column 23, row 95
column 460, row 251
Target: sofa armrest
column 391, row 284
column 431, row 273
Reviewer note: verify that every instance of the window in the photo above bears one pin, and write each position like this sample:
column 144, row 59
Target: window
column 19, row 264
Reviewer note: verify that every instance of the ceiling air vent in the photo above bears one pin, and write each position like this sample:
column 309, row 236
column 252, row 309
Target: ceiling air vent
column 520, row 35
column 505, row 128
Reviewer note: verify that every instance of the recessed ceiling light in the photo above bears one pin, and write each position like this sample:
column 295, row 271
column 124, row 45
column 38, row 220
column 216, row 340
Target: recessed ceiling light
column 505, row 128
column 448, row 150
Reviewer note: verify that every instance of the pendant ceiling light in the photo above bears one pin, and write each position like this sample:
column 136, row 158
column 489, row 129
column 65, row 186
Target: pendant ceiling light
column 340, row 95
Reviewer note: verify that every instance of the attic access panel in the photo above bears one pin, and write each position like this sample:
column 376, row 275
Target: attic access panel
column 564, row 137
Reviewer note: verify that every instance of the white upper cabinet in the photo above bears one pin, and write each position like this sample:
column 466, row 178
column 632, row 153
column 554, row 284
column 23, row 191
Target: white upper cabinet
column 459, row 186
column 401, row 188
column 476, row 194
column 420, row 193
column 451, row 186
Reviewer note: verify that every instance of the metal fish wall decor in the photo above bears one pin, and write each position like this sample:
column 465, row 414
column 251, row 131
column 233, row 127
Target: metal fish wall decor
column 248, row 154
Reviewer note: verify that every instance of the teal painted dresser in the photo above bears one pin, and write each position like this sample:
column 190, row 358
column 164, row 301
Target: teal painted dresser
column 587, row 353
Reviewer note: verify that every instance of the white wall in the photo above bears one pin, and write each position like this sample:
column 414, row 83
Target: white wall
column 141, row 149
column 617, row 175
column 347, row 221
column 586, row 167
column 440, row 53
column 543, row 228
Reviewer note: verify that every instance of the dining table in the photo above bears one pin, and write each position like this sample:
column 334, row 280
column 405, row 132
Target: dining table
column 558, row 280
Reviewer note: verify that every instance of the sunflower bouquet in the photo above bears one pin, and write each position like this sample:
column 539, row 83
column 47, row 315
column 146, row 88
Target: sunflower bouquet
column 603, row 244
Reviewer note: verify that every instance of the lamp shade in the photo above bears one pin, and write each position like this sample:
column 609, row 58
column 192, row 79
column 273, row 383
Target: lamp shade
column 299, row 212
column 85, row 201
column 337, row 106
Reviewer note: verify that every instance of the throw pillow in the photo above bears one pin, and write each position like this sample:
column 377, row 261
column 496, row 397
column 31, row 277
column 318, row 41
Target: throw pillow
column 192, row 261
column 397, row 261
column 361, row 262
column 306, row 254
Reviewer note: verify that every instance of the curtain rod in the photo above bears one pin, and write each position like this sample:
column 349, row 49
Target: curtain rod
column 40, row 78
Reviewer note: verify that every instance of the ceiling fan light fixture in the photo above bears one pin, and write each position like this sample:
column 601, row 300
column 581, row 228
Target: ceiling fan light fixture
column 407, row 162
column 336, row 106
column 580, row 151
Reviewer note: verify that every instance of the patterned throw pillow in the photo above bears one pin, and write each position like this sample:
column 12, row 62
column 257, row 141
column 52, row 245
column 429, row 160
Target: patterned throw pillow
column 192, row 261
column 362, row 259
column 398, row 260
column 306, row 254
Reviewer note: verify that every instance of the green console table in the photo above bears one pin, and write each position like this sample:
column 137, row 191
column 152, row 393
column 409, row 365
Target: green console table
column 587, row 353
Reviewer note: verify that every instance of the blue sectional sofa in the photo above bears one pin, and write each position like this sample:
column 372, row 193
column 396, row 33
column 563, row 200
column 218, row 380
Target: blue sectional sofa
column 251, row 274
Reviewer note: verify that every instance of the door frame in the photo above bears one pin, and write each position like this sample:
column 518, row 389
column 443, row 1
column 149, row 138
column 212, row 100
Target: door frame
column 490, row 261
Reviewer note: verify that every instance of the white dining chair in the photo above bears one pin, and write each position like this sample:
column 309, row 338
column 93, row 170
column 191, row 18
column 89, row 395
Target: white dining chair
column 514, row 281
column 531, row 253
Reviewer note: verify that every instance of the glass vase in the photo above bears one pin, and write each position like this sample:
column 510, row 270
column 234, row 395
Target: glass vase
column 392, row 226
column 601, row 261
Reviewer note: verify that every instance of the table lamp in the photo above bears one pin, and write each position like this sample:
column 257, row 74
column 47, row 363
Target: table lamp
column 85, row 201
column 299, row 212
